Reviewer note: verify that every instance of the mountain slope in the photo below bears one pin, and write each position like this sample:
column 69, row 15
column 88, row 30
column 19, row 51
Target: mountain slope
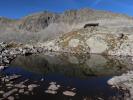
column 99, row 40
column 47, row 25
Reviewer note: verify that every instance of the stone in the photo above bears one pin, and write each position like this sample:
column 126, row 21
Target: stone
column 52, row 83
column 2, row 92
column 53, row 87
column 51, row 92
column 2, row 67
column 10, row 98
column 69, row 93
column 26, row 92
column 7, row 94
column 73, row 43
column 21, row 91
column 32, row 86
column 97, row 44
column 21, row 86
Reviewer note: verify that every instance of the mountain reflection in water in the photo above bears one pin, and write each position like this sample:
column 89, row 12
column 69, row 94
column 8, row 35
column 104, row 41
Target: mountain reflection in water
column 88, row 74
column 74, row 65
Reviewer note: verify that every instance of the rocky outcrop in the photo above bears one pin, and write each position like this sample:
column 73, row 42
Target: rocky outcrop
column 10, row 51
column 99, row 40
column 38, row 21
column 124, row 82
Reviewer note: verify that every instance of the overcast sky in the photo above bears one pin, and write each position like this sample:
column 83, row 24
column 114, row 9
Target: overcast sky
column 20, row 8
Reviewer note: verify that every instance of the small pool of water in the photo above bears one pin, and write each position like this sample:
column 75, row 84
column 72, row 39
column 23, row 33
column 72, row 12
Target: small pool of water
column 85, row 75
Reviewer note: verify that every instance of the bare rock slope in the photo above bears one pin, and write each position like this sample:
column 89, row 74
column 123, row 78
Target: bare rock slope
column 47, row 25
column 100, row 40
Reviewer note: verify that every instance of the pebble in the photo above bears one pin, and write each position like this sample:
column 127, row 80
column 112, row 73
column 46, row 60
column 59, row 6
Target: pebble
column 2, row 67
column 2, row 92
column 51, row 92
column 69, row 93
column 32, row 86
column 10, row 98
column 53, row 87
column 9, row 93
column 21, row 91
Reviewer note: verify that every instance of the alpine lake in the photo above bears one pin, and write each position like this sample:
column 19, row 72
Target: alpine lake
column 55, row 76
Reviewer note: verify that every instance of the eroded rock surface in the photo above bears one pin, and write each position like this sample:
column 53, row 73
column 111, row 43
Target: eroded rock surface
column 100, row 40
column 124, row 82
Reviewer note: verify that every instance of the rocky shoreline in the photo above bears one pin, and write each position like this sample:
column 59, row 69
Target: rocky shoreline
column 10, row 51
column 125, row 83
column 13, row 89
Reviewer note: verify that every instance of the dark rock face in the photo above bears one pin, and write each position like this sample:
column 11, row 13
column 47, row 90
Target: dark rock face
column 91, row 24
column 37, row 22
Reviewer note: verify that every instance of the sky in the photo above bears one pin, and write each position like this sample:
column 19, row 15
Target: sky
column 19, row 8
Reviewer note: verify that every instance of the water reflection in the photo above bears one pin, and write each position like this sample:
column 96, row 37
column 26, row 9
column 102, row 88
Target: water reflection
column 74, row 65
column 88, row 74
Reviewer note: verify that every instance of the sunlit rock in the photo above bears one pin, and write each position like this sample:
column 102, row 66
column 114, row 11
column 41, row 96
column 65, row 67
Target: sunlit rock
column 97, row 44
column 69, row 93
column 125, row 81
column 73, row 43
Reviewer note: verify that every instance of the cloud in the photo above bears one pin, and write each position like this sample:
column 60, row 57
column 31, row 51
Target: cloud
column 96, row 2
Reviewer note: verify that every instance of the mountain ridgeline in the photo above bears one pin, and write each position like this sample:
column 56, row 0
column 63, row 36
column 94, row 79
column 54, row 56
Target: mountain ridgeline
column 47, row 25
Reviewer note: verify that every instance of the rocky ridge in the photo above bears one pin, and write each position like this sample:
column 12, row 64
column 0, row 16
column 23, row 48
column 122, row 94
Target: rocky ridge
column 38, row 26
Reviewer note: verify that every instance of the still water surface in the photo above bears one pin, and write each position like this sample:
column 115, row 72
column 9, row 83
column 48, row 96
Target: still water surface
column 86, row 74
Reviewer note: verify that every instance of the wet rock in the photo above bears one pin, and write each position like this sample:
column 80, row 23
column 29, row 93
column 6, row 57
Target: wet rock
column 52, row 83
column 51, row 92
column 53, row 86
column 42, row 79
column 32, row 86
column 9, row 85
column 2, row 67
column 52, row 89
column 5, row 95
column 21, row 86
column 12, row 89
column 14, row 77
column 2, row 92
column 21, row 91
column 10, row 98
column 5, row 60
column 69, row 93
column 26, row 92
